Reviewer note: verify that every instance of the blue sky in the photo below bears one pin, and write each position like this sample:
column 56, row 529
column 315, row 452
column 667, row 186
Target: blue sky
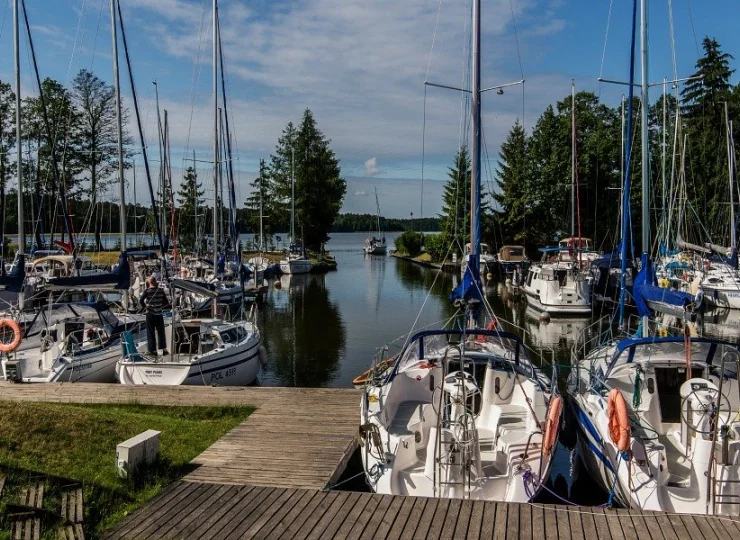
column 360, row 66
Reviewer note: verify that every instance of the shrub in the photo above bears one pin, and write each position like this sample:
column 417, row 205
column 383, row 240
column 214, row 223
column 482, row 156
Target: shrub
column 436, row 245
column 409, row 243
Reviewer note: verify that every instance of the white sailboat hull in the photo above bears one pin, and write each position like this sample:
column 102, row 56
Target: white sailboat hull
column 233, row 366
column 296, row 266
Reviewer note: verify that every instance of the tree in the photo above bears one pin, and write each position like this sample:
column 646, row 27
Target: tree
column 704, row 98
column 190, row 198
column 514, row 196
column 259, row 202
column 319, row 186
column 98, row 137
column 7, row 140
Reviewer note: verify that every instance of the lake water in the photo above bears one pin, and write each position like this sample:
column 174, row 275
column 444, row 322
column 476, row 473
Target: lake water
column 323, row 330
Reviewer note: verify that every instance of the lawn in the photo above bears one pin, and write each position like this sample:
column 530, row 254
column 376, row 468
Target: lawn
column 78, row 442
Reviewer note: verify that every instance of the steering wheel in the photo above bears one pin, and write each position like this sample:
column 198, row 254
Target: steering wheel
column 708, row 408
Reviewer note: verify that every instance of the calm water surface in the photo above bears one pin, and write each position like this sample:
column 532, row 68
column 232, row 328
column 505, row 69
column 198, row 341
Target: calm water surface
column 323, row 330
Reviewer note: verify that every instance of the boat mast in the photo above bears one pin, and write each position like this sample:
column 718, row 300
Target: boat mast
column 262, row 234
column 733, row 239
column 292, row 195
column 377, row 210
column 573, row 159
column 645, row 146
column 119, row 125
column 215, row 135
column 161, row 156
column 474, row 263
column 19, row 145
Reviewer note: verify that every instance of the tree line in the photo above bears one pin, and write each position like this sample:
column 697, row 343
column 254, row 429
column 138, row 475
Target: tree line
column 534, row 170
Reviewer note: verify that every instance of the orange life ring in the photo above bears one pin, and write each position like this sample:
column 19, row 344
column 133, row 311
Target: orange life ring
column 553, row 425
column 17, row 335
column 619, row 424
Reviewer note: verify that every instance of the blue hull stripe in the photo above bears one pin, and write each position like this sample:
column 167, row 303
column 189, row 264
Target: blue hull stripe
column 586, row 424
column 211, row 370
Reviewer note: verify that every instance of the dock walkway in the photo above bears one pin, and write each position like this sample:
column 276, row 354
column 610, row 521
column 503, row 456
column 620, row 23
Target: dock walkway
column 196, row 511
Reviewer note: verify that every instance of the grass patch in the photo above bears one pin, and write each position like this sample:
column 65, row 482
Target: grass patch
column 78, row 442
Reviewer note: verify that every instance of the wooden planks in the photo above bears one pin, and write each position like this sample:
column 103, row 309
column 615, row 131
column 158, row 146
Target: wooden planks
column 298, row 438
column 26, row 523
column 199, row 511
column 72, row 513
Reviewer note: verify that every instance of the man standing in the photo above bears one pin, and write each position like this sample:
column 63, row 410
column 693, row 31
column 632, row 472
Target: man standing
column 154, row 301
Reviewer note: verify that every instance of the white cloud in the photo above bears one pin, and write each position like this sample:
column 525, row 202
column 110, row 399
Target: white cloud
column 371, row 167
column 360, row 193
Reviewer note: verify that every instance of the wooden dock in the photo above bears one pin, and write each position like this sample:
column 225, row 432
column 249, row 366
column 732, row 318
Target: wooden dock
column 196, row 511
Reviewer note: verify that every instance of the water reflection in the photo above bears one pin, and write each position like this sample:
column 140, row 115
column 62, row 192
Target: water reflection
column 303, row 332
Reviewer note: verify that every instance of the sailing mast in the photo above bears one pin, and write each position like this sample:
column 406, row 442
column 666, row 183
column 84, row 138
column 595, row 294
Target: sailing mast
column 645, row 146
column 474, row 258
column 292, row 195
column 20, row 259
column 573, row 160
column 730, row 169
column 119, row 126
column 215, row 136
column 262, row 235
column 377, row 211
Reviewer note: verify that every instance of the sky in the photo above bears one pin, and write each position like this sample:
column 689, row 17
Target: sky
column 360, row 66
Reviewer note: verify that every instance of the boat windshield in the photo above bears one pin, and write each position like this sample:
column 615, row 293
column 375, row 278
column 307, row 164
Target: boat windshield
column 477, row 345
column 673, row 349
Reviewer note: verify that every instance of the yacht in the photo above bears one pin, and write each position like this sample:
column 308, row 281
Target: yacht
column 559, row 288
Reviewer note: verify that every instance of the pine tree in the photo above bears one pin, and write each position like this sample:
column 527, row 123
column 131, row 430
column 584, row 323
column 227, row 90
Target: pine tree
column 513, row 196
column 703, row 109
column 259, row 201
column 319, row 186
column 190, row 198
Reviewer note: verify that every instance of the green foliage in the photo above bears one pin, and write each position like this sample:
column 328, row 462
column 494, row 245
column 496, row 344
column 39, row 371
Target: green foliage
column 190, row 199
column 409, row 243
column 366, row 222
column 436, row 245
column 319, row 186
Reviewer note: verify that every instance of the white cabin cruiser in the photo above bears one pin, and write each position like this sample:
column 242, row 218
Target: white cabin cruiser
column 459, row 414
column 658, row 423
column 295, row 263
column 559, row 288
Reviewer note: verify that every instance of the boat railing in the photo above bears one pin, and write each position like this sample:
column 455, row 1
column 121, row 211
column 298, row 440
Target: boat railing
column 596, row 334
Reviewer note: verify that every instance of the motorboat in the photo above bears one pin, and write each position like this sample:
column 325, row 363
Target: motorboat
column 559, row 288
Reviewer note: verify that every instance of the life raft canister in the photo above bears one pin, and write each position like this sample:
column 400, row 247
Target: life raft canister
column 619, row 425
column 17, row 335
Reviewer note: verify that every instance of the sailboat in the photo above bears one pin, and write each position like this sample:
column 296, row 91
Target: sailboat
column 295, row 261
column 65, row 342
column 656, row 414
column 460, row 412
column 720, row 282
column 376, row 245
column 559, row 285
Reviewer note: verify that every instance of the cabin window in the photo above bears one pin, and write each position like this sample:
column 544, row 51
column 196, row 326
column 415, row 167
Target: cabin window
column 229, row 336
column 651, row 385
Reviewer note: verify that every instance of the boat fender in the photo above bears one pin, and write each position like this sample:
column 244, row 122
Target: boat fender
column 17, row 335
column 263, row 355
column 553, row 425
column 492, row 325
column 619, row 425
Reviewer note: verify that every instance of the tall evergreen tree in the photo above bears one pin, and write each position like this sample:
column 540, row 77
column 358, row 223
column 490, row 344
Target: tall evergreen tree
column 259, row 201
column 191, row 201
column 513, row 195
column 319, row 186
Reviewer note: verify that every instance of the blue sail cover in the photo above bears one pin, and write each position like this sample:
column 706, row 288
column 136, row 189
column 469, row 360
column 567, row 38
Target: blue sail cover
column 646, row 291
column 469, row 288
column 118, row 279
column 13, row 281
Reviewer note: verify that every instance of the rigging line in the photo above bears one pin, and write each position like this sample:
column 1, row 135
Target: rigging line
column 693, row 29
column 95, row 40
column 5, row 13
column 196, row 76
column 672, row 34
column 434, row 37
column 516, row 36
column 606, row 39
